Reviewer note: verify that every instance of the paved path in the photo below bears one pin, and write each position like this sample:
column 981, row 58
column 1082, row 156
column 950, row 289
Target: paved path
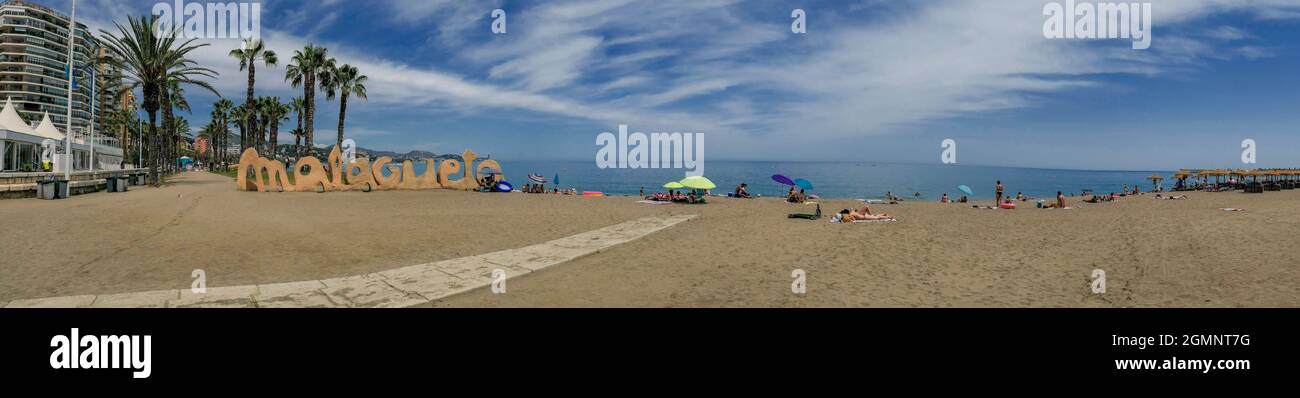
column 401, row 287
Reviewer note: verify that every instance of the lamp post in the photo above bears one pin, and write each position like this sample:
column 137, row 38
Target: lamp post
column 72, row 46
column 90, row 70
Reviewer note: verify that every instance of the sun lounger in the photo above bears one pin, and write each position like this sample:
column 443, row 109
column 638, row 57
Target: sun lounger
column 817, row 216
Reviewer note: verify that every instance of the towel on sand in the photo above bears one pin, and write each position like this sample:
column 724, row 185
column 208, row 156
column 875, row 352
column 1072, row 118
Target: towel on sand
column 837, row 219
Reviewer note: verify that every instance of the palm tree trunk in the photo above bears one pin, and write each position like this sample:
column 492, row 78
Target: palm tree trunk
column 275, row 138
column 243, row 137
column 153, row 143
column 343, row 114
column 297, row 135
column 125, row 136
column 252, row 72
column 168, row 139
column 309, row 100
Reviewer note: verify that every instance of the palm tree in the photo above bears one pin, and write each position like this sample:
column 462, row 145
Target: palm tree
column 264, row 107
column 297, row 141
column 248, row 54
column 239, row 118
column 149, row 62
column 221, row 114
column 256, row 110
column 311, row 66
column 274, row 113
column 296, row 106
column 173, row 100
column 346, row 80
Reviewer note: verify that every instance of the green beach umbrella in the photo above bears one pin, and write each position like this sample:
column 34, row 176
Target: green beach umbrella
column 674, row 185
column 698, row 182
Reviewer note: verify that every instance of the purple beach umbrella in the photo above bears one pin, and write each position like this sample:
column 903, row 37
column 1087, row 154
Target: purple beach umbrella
column 783, row 180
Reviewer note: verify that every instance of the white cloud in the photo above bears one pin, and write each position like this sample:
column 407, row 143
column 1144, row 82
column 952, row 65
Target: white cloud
column 935, row 60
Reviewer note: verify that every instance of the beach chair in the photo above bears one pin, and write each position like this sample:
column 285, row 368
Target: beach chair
column 816, row 216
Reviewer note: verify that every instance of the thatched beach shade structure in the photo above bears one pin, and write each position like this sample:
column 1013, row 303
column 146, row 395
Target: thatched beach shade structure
column 1181, row 176
column 1274, row 177
column 1155, row 181
column 1218, row 175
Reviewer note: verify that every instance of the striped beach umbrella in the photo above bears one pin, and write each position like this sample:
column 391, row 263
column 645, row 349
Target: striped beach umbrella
column 537, row 178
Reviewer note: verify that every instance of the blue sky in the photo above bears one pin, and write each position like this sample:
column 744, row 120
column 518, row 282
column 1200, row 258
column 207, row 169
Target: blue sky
column 871, row 80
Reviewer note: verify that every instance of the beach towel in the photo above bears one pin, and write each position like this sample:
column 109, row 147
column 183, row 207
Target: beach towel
column 1232, row 209
column 654, row 202
column 837, row 219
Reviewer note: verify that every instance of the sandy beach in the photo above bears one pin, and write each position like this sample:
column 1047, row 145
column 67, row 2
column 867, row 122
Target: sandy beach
column 736, row 253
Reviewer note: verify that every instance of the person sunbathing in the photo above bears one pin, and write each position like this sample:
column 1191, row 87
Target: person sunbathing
column 945, row 199
column 847, row 215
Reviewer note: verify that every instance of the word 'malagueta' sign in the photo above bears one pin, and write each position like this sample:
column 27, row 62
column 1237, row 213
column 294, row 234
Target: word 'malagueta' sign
column 257, row 173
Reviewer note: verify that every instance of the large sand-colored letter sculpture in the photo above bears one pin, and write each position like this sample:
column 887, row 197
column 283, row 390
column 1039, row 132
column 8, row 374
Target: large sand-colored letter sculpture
column 257, row 173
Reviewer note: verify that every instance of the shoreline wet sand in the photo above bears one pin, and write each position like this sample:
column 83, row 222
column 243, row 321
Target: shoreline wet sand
column 736, row 253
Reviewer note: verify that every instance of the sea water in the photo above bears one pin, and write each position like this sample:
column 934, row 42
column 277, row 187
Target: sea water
column 841, row 180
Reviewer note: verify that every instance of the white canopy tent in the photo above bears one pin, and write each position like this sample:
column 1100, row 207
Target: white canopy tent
column 46, row 129
column 10, row 120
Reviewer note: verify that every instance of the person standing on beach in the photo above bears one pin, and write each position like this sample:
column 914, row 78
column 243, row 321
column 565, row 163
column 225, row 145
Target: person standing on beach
column 999, row 191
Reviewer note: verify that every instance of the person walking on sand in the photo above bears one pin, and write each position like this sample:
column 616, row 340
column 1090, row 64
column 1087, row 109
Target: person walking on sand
column 999, row 189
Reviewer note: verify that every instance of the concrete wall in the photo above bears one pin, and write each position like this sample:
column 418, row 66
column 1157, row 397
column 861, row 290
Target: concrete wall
column 23, row 185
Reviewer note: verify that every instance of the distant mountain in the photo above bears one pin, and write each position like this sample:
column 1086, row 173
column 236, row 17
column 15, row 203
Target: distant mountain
column 322, row 152
column 412, row 155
